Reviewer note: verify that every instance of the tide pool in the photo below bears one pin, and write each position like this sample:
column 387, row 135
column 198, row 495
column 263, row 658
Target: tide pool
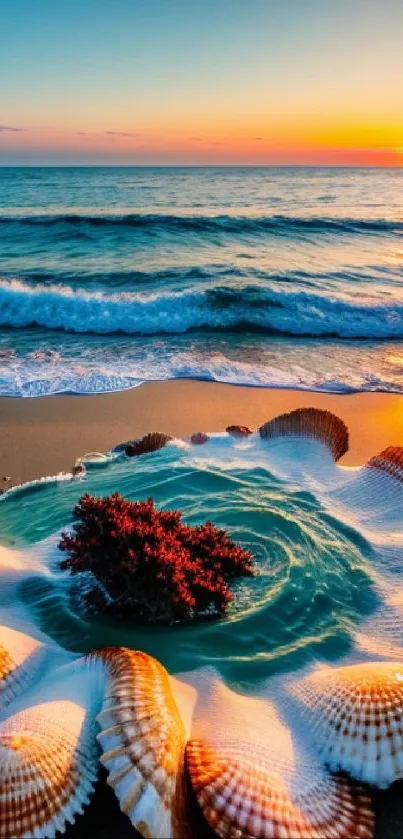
column 313, row 585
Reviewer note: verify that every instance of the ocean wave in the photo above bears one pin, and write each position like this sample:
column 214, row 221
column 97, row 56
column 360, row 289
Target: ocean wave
column 211, row 224
column 271, row 310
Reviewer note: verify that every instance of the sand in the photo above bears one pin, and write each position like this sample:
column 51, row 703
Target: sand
column 44, row 436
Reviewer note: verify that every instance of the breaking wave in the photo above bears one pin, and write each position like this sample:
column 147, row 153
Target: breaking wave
column 271, row 310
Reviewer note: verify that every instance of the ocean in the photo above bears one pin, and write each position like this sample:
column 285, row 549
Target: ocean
column 272, row 277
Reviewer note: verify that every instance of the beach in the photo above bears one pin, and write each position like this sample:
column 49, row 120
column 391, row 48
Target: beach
column 44, row 436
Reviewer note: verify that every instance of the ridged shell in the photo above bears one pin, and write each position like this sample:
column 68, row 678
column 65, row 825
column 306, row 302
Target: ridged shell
column 238, row 430
column 240, row 800
column 149, row 443
column 20, row 659
column 389, row 461
column 143, row 743
column 355, row 717
column 310, row 422
column 253, row 777
column 48, row 768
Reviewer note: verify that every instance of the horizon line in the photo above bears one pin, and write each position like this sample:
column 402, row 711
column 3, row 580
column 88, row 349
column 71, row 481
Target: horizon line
column 198, row 166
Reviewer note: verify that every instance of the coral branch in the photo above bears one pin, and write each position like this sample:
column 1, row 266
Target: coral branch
column 150, row 565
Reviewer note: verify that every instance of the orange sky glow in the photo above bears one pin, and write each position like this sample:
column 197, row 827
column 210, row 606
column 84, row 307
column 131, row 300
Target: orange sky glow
column 223, row 81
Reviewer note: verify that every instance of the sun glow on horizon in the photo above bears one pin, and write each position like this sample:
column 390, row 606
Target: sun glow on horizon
column 228, row 82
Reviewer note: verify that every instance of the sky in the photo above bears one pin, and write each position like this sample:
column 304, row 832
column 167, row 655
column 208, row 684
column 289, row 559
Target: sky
column 195, row 82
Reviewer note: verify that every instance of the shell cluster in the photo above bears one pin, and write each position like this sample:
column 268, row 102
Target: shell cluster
column 181, row 749
column 251, row 775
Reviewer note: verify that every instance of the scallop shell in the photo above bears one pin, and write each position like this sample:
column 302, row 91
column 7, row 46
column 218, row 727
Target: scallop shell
column 310, row 422
column 143, row 740
column 149, row 443
column 20, row 660
column 252, row 777
column 355, row 716
column 389, row 461
column 241, row 800
column 48, row 768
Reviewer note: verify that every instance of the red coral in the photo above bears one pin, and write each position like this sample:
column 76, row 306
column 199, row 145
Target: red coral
column 151, row 566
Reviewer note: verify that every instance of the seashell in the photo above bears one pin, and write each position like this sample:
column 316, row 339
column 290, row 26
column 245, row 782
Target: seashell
column 355, row 717
column 199, row 437
column 48, row 768
column 149, row 443
column 238, row 430
column 389, row 461
column 310, row 422
column 143, row 740
column 253, row 778
column 239, row 799
column 20, row 660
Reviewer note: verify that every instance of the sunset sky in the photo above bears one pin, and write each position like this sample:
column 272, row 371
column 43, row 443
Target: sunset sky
column 201, row 81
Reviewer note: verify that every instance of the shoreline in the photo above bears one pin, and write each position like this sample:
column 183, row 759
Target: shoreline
column 42, row 436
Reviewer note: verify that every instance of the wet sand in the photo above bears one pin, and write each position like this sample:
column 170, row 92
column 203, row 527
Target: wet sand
column 44, row 436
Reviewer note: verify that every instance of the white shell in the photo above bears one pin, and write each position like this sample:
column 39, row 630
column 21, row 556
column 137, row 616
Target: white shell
column 20, row 660
column 355, row 718
column 143, row 742
column 48, row 768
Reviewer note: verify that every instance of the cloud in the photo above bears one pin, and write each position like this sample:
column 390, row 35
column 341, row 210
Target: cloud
column 122, row 134
column 4, row 129
column 195, row 139
column 258, row 138
column 107, row 133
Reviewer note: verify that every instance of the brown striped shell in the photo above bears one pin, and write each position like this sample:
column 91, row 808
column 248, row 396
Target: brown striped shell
column 238, row 430
column 355, row 717
column 143, row 742
column 240, row 800
column 20, row 659
column 149, row 443
column 312, row 423
column 199, row 437
column 48, row 768
column 389, row 461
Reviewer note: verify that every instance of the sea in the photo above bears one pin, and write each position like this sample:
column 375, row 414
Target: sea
column 262, row 276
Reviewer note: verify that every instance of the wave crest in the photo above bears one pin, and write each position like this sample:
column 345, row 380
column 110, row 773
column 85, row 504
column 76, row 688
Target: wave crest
column 273, row 311
column 206, row 224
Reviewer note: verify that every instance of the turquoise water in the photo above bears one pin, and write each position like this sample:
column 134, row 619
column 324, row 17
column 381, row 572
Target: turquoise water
column 313, row 581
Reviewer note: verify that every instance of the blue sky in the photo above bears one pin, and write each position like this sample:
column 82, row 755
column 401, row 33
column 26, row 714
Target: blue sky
column 183, row 80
